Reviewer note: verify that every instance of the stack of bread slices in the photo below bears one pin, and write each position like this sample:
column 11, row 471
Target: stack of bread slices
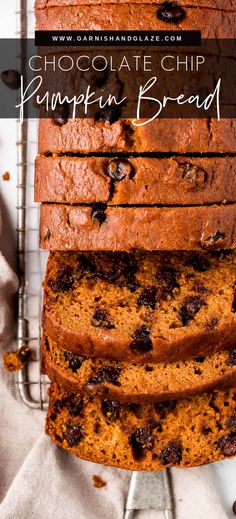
column 139, row 319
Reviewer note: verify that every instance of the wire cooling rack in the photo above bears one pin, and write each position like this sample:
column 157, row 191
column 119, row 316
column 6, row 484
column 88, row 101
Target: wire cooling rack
column 32, row 386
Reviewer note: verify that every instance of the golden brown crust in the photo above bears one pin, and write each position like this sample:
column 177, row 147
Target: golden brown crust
column 220, row 24
column 193, row 432
column 65, row 227
column 146, row 383
column 175, row 180
column 218, row 4
column 89, row 136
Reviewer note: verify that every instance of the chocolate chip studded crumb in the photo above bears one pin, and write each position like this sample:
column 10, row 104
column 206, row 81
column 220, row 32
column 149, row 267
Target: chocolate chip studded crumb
column 107, row 374
column 167, row 277
column 6, row 176
column 199, row 262
column 73, row 403
column 101, row 319
column 73, row 434
column 171, row 454
column 74, row 360
column 170, row 12
column 227, row 444
column 141, row 440
column 141, row 340
column 189, row 308
column 15, row 360
column 148, row 297
column 64, row 280
column 111, row 409
column 162, row 408
column 98, row 482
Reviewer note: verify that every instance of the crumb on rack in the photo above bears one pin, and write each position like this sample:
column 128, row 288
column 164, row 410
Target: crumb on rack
column 15, row 360
column 98, row 482
column 6, row 176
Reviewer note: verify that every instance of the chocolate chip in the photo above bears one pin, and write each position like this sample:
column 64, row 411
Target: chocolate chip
column 101, row 319
column 189, row 308
column 212, row 323
column 61, row 114
column 74, row 360
column 64, row 280
column 170, row 12
column 199, row 359
column 111, row 409
column 206, row 430
column 149, row 368
column 96, row 78
column 163, row 407
column 227, row 444
column 197, row 371
column 148, row 297
column 11, row 78
column 232, row 357
column 74, row 404
column 199, row 262
column 212, row 241
column 141, row 440
column 118, row 169
column 231, row 422
column 194, row 176
column 141, row 340
column 98, row 212
column 110, row 114
column 107, row 374
column 74, row 434
column 87, row 265
column 167, row 278
column 172, row 454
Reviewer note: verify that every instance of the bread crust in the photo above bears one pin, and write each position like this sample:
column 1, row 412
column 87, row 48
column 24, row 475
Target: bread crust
column 219, row 24
column 160, row 136
column 143, row 180
column 139, row 384
column 67, row 227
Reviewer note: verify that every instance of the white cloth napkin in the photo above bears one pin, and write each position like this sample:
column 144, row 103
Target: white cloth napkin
column 40, row 481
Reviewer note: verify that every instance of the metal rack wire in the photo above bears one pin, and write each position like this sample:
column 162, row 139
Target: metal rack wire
column 32, row 386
